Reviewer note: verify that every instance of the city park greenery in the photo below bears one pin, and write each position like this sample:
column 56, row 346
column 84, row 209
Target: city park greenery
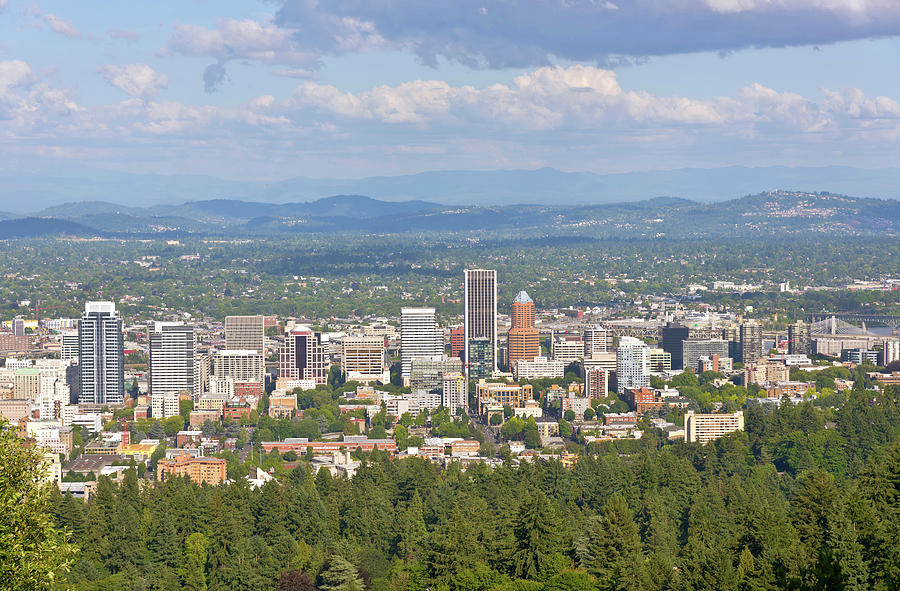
column 805, row 498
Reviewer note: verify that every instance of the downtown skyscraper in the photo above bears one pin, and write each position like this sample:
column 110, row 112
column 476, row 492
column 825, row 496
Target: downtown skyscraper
column 481, row 314
column 101, row 357
column 303, row 356
column 246, row 333
column 523, row 338
column 173, row 347
column 419, row 337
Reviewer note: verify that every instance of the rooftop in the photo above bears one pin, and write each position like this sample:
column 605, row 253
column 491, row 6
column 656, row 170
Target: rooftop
column 523, row 298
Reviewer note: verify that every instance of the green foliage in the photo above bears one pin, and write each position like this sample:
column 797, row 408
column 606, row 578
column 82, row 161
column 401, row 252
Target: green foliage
column 341, row 576
column 33, row 553
column 806, row 498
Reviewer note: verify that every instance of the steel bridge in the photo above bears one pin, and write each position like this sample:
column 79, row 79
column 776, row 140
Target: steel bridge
column 845, row 323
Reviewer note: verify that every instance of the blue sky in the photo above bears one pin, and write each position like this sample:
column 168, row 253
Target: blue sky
column 353, row 88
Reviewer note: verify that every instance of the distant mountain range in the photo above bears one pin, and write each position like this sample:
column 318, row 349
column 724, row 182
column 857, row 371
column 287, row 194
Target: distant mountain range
column 779, row 213
column 24, row 194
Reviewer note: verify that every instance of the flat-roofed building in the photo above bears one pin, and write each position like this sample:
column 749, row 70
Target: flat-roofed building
column 27, row 383
column 14, row 409
column 751, row 341
column 800, row 338
column 419, row 337
column 212, row 401
column 702, row 428
column 173, row 348
column 890, row 352
column 198, row 417
column 764, row 372
column 715, row 363
column 244, row 366
column 596, row 340
column 632, row 364
column 363, row 359
column 673, row 337
column 210, row 471
column 350, row 443
column 538, row 367
column 480, row 358
column 454, row 391
column 515, row 395
column 427, row 373
column 596, row 382
column 68, row 345
column 282, row 406
column 567, row 348
column 480, row 317
column 246, row 333
column 660, row 360
column 165, row 405
column 694, row 349
column 101, row 356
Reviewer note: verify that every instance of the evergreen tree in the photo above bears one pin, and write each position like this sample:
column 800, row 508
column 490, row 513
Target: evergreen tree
column 846, row 570
column 413, row 532
column 614, row 549
column 340, row 576
column 706, row 559
column 537, row 537
column 71, row 516
column 193, row 570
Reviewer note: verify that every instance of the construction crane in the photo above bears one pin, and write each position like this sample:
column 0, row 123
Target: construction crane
column 37, row 311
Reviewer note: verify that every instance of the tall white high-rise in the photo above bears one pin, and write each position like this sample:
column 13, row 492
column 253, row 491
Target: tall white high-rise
column 480, row 306
column 101, row 359
column 419, row 337
column 173, row 347
column 596, row 340
column 632, row 364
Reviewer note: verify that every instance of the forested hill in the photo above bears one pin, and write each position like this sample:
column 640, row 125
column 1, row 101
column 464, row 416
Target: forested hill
column 807, row 498
column 780, row 213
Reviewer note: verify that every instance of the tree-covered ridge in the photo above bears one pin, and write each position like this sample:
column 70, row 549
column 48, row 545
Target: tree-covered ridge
column 740, row 513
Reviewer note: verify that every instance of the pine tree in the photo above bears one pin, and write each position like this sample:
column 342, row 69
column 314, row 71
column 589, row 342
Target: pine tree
column 341, row 576
column 193, row 570
column 706, row 559
column 101, row 511
column 162, row 546
column 413, row 532
column 846, row 569
column 71, row 516
column 614, row 549
column 536, row 534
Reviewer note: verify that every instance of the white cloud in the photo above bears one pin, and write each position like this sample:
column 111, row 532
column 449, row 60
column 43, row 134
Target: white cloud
column 137, row 80
column 550, row 113
column 298, row 48
column 13, row 74
column 62, row 26
column 586, row 98
column 2, row 5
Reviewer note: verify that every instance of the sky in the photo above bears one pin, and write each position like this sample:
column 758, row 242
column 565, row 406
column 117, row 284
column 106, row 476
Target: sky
column 278, row 89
